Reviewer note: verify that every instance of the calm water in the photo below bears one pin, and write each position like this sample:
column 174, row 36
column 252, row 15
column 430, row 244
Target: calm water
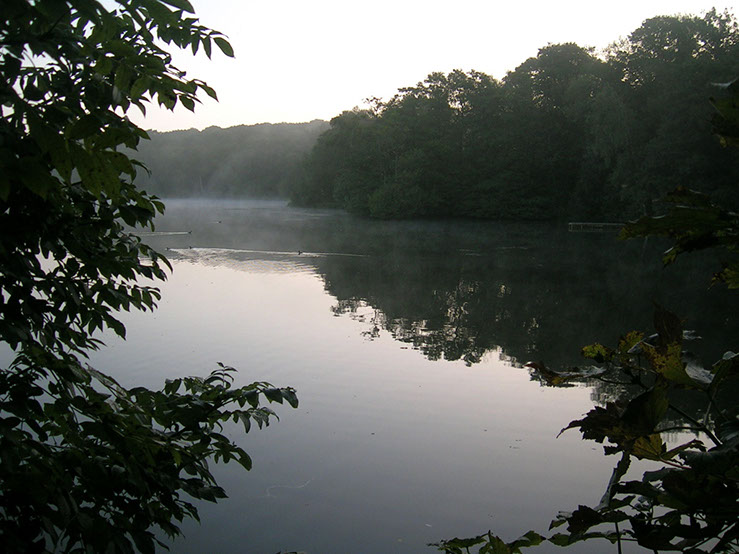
column 406, row 344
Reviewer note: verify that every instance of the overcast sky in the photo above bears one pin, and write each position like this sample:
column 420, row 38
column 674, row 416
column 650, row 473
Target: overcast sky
column 299, row 60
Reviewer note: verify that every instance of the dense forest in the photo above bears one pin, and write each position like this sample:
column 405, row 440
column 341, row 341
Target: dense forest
column 569, row 133
column 246, row 160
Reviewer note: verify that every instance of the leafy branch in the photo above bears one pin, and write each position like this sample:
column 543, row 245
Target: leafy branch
column 697, row 484
column 69, row 426
column 88, row 465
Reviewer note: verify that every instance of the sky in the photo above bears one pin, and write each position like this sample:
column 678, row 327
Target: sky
column 298, row 61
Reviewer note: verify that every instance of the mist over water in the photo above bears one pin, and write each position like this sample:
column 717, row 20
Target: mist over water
column 526, row 289
column 406, row 343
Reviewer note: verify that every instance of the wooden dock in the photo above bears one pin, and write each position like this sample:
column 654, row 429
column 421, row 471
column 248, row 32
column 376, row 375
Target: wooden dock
column 590, row 227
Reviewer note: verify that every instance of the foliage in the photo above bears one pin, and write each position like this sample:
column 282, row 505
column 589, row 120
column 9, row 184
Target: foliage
column 90, row 465
column 690, row 504
column 695, row 221
column 567, row 134
column 87, row 465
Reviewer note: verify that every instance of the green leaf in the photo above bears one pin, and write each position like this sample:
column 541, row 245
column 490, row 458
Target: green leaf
column 273, row 395
column 607, row 500
column 167, row 99
column 644, row 413
column 244, row 418
column 244, row 460
column 560, row 539
column 183, row 5
column 225, row 46
column 583, row 519
column 162, row 15
column 729, row 275
column 600, row 423
column 85, row 127
column 529, row 539
column 290, row 396
column 208, row 90
column 139, row 87
column 252, row 397
column 117, row 327
column 32, row 175
column 32, row 93
column 123, row 76
column 188, row 102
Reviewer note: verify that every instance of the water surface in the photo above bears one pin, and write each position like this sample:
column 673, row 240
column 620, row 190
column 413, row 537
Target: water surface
column 406, row 342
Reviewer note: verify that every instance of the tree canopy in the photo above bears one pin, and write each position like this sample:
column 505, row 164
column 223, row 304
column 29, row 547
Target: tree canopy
column 86, row 464
column 567, row 134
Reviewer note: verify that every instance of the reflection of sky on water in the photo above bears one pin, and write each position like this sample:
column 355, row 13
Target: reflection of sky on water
column 458, row 289
column 388, row 450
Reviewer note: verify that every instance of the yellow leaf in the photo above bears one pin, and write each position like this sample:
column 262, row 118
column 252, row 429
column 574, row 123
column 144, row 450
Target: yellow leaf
column 627, row 342
column 669, row 363
column 650, row 448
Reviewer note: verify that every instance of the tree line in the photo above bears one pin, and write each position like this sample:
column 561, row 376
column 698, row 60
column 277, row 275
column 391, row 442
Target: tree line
column 244, row 160
column 688, row 504
column 568, row 133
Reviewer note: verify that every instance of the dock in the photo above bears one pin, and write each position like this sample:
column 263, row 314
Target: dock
column 590, row 227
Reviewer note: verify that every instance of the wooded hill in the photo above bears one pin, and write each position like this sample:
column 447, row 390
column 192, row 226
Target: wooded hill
column 569, row 133
column 246, row 160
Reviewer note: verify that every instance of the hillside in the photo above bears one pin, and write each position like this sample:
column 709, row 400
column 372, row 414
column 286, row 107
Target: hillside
column 246, row 160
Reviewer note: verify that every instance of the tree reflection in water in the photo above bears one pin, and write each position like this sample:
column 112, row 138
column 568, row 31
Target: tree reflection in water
column 470, row 290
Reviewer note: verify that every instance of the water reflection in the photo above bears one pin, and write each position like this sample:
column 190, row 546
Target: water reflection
column 397, row 451
column 457, row 290
column 389, row 451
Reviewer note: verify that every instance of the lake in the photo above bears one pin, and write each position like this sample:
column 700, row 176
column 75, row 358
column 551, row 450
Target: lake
column 406, row 342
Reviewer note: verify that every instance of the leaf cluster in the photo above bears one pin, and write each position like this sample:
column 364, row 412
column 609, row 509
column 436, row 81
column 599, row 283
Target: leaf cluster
column 69, row 72
column 690, row 504
column 694, row 221
column 90, row 465
column 87, row 465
